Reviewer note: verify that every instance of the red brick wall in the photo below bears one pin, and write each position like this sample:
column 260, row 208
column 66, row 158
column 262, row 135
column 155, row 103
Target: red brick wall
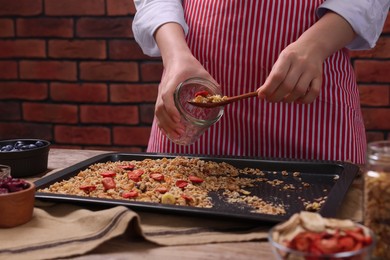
column 71, row 73
column 373, row 75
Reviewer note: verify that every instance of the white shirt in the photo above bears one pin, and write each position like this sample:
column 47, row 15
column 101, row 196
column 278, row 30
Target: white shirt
column 365, row 16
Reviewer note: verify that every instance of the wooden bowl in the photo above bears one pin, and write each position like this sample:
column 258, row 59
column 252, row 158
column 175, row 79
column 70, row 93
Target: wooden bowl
column 16, row 208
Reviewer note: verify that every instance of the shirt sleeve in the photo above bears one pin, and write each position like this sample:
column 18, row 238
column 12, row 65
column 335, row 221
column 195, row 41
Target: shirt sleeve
column 150, row 15
column 366, row 17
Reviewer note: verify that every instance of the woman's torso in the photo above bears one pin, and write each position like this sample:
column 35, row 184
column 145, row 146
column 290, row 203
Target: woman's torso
column 238, row 42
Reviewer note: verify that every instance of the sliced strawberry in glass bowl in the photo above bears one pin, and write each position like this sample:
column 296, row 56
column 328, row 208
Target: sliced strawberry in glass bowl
column 307, row 235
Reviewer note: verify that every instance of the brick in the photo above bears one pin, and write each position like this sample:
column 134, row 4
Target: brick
column 74, row 7
column 120, row 7
column 109, row 114
column 7, row 28
column 20, row 7
column 79, row 92
column 22, row 49
column 151, row 71
column 8, row 70
column 23, row 90
column 374, row 118
column 381, row 50
column 44, row 27
column 372, row 136
column 77, row 49
column 104, row 27
column 25, row 130
column 147, row 114
column 372, row 71
column 131, row 135
column 120, row 93
column 386, row 26
column 10, row 111
column 374, row 95
column 126, row 50
column 82, row 135
column 48, row 70
column 53, row 113
column 110, row 71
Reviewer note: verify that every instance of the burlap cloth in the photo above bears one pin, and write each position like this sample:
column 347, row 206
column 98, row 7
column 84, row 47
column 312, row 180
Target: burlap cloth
column 64, row 230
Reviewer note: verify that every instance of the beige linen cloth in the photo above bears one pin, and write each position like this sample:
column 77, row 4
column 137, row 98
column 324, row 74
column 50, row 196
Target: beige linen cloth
column 65, row 230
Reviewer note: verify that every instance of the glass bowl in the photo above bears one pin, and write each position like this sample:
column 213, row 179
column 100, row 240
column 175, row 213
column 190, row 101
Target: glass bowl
column 283, row 252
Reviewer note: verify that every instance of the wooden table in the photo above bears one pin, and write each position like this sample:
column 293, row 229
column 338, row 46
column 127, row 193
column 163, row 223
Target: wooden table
column 120, row 248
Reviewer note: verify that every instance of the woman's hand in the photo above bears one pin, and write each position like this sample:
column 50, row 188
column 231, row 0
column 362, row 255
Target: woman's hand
column 168, row 117
column 295, row 76
column 179, row 65
column 297, row 73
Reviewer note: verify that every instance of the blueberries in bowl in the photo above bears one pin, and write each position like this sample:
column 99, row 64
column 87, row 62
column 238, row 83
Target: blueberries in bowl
column 21, row 146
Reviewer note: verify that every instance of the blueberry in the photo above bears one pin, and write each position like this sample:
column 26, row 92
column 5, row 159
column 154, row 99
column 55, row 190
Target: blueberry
column 32, row 146
column 24, row 147
column 7, row 148
column 39, row 143
column 18, row 144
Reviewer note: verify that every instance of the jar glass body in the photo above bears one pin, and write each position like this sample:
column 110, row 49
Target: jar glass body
column 196, row 120
column 377, row 196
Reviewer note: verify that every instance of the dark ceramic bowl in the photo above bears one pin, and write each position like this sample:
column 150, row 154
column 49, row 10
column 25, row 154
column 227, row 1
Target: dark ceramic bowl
column 25, row 161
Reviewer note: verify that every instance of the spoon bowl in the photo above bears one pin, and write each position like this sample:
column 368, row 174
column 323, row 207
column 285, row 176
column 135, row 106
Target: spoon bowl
column 223, row 102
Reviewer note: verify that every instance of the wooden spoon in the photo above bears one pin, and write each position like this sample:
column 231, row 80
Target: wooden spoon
column 224, row 102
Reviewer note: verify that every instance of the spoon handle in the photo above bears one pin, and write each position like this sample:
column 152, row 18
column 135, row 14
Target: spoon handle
column 246, row 95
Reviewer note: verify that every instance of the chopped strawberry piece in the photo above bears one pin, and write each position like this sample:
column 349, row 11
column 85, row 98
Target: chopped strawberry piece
column 139, row 172
column 346, row 243
column 356, row 234
column 161, row 190
column 88, row 188
column 108, row 183
column 328, row 245
column 130, row 194
column 127, row 166
column 203, row 93
column 195, row 179
column 186, row 197
column 108, row 174
column 181, row 183
column 157, row 176
column 135, row 175
column 301, row 242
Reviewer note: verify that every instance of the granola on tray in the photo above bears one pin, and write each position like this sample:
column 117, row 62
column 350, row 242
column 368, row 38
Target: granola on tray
column 178, row 181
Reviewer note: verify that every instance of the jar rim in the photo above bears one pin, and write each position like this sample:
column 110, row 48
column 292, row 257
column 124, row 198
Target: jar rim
column 209, row 85
column 379, row 151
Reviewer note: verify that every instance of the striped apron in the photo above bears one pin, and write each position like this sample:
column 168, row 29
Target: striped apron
column 238, row 41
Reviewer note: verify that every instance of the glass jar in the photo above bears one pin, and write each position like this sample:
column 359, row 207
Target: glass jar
column 5, row 171
column 377, row 196
column 195, row 120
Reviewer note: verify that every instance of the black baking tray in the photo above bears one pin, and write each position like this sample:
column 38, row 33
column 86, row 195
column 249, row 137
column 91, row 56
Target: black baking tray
column 330, row 179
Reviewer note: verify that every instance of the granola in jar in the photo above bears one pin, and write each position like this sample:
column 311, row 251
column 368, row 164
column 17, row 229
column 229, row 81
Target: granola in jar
column 377, row 196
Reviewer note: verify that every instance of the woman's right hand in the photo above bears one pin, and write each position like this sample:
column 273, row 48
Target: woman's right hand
column 179, row 65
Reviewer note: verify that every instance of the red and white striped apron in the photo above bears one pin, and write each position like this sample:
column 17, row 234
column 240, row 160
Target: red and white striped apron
column 238, row 41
